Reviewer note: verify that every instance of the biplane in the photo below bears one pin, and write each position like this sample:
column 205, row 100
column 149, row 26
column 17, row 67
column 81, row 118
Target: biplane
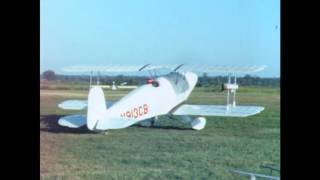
column 161, row 95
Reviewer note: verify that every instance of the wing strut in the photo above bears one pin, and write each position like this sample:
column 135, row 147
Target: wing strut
column 90, row 79
column 228, row 89
column 231, row 89
column 234, row 92
column 98, row 78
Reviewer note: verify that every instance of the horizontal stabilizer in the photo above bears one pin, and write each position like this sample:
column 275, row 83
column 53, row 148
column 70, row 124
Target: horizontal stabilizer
column 217, row 110
column 78, row 104
column 73, row 104
column 73, row 121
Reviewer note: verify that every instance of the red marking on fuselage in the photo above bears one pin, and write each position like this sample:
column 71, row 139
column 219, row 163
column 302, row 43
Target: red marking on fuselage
column 136, row 112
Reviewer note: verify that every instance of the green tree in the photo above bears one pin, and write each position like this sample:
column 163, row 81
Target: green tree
column 49, row 75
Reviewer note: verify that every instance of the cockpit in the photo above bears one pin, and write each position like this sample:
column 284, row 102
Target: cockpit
column 178, row 82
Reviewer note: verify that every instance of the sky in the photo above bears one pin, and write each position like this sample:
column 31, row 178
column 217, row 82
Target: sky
column 213, row 32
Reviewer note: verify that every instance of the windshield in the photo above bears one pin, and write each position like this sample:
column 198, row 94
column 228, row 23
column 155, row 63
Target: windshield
column 178, row 82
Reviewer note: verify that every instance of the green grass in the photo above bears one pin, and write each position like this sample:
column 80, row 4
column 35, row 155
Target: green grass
column 171, row 150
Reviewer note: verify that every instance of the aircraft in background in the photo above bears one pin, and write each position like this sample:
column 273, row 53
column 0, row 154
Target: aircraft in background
column 114, row 87
column 161, row 95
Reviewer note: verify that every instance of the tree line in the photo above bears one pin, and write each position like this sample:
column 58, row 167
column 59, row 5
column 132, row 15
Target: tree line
column 203, row 80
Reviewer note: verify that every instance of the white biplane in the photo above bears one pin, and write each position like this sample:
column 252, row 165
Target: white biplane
column 161, row 95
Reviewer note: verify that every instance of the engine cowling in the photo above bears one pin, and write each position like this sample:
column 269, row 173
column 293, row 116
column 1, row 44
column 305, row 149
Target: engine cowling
column 198, row 123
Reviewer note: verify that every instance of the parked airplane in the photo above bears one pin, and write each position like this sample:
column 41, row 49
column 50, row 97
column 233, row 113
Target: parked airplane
column 161, row 95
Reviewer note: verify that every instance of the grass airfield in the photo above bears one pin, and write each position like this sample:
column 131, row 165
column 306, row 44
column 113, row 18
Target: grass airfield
column 170, row 150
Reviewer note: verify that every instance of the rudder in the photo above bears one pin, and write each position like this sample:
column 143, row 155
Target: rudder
column 96, row 106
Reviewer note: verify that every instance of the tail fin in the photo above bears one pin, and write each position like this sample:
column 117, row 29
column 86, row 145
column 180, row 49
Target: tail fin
column 96, row 106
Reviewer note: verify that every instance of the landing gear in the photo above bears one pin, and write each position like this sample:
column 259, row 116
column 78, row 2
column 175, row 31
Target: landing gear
column 154, row 120
column 148, row 123
column 197, row 123
column 152, row 123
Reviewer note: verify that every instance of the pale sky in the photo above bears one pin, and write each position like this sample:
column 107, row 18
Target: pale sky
column 216, row 32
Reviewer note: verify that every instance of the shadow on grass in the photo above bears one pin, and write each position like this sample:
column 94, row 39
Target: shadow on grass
column 163, row 127
column 51, row 125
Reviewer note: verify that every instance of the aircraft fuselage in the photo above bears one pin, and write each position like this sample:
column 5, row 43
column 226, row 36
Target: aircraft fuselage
column 148, row 101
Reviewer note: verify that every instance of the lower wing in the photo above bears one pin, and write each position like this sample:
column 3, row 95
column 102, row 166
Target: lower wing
column 217, row 110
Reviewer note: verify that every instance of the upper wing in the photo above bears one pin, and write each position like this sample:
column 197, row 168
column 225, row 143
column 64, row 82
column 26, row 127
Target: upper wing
column 217, row 110
column 171, row 67
column 105, row 68
column 115, row 68
column 78, row 104
column 221, row 69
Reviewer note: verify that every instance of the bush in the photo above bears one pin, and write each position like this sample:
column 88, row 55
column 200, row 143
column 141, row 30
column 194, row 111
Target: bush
column 49, row 75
